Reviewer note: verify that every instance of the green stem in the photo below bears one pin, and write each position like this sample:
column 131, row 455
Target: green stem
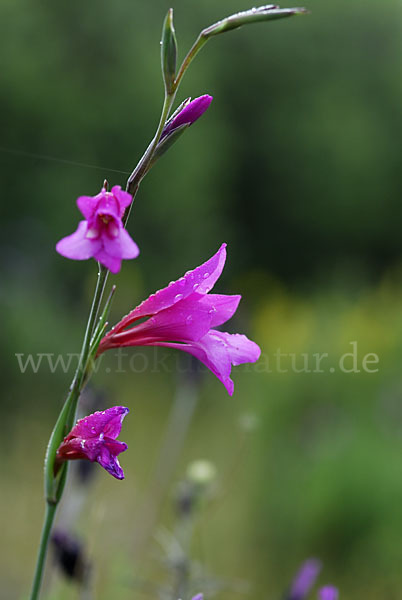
column 44, row 541
column 140, row 170
column 195, row 48
column 54, row 485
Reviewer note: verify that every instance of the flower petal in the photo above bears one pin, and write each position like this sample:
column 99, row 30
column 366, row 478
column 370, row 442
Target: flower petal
column 113, row 263
column 77, row 246
column 221, row 307
column 108, row 461
column 240, row 349
column 106, row 421
column 121, row 246
column 88, row 204
column 124, row 198
column 187, row 320
column 218, row 350
column 201, row 280
column 129, row 248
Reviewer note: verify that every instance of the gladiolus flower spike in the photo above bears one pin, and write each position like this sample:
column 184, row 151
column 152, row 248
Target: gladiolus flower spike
column 102, row 234
column 184, row 315
column 94, row 438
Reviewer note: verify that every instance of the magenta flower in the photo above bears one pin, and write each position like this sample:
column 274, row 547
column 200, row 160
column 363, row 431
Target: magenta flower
column 94, row 438
column 184, row 315
column 328, row 593
column 188, row 115
column 102, row 235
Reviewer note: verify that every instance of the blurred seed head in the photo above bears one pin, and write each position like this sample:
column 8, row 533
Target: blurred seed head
column 201, row 472
column 69, row 556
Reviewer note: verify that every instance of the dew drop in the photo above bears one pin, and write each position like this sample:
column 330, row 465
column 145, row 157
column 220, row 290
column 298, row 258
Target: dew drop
column 195, row 286
column 182, row 280
column 93, row 430
column 189, row 320
column 206, row 275
column 178, row 297
column 212, row 311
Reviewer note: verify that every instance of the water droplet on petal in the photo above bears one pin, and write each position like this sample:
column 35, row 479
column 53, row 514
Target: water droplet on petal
column 206, row 275
column 195, row 286
column 182, row 280
column 212, row 310
column 189, row 320
column 178, row 297
column 93, row 429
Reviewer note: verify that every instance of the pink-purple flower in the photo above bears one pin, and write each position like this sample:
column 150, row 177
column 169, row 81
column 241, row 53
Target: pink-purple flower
column 102, row 234
column 94, row 438
column 184, row 315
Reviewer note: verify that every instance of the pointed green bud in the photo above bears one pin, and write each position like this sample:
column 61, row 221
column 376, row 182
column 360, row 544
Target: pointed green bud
column 254, row 15
column 168, row 52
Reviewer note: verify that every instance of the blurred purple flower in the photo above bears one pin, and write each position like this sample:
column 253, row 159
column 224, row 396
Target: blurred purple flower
column 185, row 312
column 188, row 115
column 198, row 597
column 328, row 593
column 102, row 235
column 94, row 438
column 305, row 579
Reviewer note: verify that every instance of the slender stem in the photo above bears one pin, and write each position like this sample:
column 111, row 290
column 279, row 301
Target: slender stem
column 54, row 486
column 47, row 526
column 141, row 168
column 195, row 48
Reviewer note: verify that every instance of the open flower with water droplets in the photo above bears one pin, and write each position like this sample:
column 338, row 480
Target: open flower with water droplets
column 102, row 234
column 184, row 315
column 94, row 438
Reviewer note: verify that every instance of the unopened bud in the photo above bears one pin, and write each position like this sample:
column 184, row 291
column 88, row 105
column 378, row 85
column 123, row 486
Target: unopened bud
column 168, row 52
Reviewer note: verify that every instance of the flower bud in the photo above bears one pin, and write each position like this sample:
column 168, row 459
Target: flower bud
column 168, row 52
column 254, row 15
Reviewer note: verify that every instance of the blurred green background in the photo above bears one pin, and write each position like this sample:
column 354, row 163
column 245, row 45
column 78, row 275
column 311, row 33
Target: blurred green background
column 296, row 165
